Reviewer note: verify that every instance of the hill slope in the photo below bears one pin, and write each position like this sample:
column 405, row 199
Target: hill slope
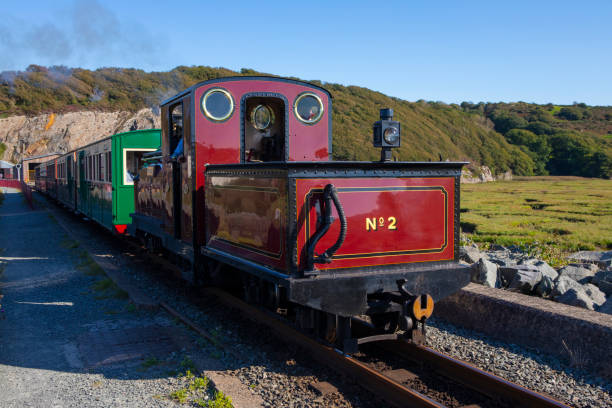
column 501, row 136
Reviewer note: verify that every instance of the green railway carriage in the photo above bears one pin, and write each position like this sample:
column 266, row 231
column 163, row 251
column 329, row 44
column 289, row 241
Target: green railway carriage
column 104, row 176
column 66, row 180
column 97, row 180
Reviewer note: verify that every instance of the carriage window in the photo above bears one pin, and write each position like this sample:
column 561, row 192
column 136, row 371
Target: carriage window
column 108, row 166
column 100, row 173
column 132, row 161
column 264, row 129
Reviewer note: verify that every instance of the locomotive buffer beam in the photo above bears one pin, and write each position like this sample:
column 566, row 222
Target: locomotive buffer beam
column 396, row 309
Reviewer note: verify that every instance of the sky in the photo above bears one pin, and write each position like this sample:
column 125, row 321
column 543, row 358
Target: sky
column 449, row 51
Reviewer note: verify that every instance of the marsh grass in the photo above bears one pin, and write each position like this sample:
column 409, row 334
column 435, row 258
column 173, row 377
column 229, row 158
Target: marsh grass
column 554, row 215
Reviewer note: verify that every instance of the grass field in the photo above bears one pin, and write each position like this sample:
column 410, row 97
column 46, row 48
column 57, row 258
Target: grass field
column 562, row 213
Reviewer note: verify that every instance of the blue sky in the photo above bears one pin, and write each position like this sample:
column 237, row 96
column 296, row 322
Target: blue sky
column 535, row 51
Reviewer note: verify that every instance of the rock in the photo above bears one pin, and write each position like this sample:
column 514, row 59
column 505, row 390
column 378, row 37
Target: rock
column 602, row 258
column 501, row 261
column 576, row 297
column 470, row 254
column 577, row 273
column 515, row 249
column 507, row 176
column 545, row 287
column 484, row 175
column 598, row 297
column 590, row 266
column 497, row 247
column 563, row 284
column 507, row 272
column 546, row 269
column 28, row 136
column 603, row 280
column 525, row 281
column 485, row 272
column 606, row 307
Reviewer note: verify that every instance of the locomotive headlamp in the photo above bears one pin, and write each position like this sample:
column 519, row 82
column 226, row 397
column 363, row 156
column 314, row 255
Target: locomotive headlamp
column 391, row 135
column 386, row 133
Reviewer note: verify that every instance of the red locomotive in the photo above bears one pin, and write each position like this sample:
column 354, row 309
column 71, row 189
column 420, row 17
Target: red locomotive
column 244, row 179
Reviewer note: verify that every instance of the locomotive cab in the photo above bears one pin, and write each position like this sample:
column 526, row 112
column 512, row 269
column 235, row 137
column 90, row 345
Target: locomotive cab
column 265, row 133
column 254, row 188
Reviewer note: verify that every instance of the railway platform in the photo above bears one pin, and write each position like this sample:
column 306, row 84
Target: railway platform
column 69, row 337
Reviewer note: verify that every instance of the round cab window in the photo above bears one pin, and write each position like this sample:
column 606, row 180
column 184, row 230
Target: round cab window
column 308, row 108
column 217, row 104
column 262, row 117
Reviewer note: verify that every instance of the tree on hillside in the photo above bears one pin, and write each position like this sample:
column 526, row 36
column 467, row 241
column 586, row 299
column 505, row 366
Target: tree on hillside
column 570, row 113
column 536, row 144
column 505, row 121
column 574, row 155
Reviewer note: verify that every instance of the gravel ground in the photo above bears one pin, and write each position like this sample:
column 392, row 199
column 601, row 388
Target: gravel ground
column 530, row 368
column 275, row 371
column 49, row 306
column 281, row 375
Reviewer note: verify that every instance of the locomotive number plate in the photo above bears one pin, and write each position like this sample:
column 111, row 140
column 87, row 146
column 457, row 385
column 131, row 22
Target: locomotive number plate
column 374, row 223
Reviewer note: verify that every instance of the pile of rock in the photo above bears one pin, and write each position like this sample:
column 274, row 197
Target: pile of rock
column 585, row 283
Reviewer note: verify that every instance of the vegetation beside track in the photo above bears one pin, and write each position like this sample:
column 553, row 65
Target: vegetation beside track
column 555, row 215
column 527, row 138
column 199, row 393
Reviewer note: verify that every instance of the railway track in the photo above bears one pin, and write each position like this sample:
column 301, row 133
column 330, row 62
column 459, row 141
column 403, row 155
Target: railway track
column 473, row 377
column 393, row 391
column 380, row 383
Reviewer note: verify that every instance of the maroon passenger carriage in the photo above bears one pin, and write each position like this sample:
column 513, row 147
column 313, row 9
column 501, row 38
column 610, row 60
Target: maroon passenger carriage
column 252, row 187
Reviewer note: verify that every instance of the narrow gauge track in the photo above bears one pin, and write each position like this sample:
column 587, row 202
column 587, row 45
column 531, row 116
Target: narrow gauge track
column 388, row 389
column 473, row 377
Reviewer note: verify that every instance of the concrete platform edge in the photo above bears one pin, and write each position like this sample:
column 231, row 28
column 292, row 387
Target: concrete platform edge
column 581, row 336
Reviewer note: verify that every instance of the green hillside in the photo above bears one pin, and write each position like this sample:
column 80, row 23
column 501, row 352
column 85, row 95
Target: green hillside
column 525, row 138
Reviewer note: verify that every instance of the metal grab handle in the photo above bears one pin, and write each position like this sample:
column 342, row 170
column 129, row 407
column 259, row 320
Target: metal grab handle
column 329, row 195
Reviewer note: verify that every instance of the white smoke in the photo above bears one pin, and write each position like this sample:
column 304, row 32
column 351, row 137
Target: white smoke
column 88, row 34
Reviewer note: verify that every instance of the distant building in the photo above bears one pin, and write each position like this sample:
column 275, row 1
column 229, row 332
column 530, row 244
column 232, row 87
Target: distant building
column 7, row 170
column 29, row 165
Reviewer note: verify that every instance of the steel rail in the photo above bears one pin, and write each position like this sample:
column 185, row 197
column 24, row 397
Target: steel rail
column 391, row 391
column 387, row 389
column 471, row 376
